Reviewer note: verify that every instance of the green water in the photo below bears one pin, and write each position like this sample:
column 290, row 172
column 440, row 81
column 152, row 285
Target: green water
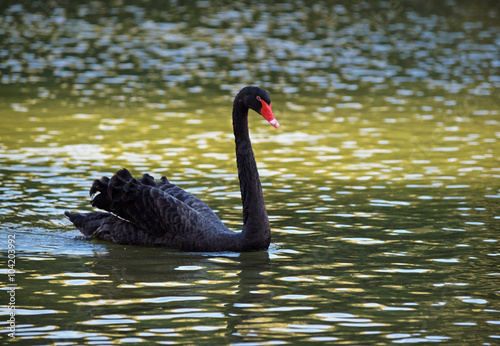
column 382, row 183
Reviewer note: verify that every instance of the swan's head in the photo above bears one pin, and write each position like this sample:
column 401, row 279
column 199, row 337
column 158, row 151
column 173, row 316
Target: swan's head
column 259, row 100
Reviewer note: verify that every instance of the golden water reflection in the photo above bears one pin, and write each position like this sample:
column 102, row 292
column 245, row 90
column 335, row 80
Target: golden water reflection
column 381, row 184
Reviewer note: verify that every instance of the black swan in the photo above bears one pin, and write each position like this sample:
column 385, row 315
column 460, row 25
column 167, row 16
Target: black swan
column 158, row 213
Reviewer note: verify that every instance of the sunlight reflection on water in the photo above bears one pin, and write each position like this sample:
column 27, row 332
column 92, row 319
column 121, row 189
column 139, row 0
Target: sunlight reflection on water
column 381, row 185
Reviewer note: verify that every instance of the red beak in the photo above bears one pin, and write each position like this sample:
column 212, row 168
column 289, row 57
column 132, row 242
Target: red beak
column 267, row 113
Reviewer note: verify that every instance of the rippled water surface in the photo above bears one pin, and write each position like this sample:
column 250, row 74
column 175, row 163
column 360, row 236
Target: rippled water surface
column 382, row 184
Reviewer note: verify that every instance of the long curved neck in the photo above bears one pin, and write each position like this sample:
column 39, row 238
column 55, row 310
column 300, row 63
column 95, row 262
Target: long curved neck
column 256, row 226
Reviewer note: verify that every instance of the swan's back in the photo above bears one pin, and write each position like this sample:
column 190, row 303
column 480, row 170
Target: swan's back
column 178, row 193
column 153, row 213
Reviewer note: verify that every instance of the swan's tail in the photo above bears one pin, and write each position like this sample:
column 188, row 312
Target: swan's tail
column 90, row 224
column 108, row 227
column 80, row 221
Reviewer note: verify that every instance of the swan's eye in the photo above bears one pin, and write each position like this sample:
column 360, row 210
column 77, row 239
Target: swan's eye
column 263, row 102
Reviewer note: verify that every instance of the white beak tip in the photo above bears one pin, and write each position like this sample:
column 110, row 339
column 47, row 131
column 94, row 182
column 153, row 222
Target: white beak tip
column 275, row 123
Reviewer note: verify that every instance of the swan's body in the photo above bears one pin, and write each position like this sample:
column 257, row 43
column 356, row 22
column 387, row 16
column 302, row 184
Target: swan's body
column 158, row 213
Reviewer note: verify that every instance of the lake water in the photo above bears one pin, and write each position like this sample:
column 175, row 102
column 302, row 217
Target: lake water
column 382, row 184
